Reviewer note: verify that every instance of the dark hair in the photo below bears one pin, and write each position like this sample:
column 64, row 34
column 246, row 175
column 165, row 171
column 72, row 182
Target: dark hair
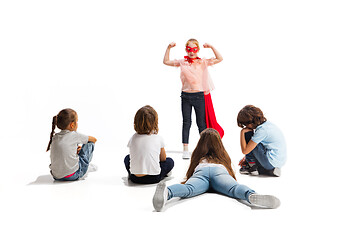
column 211, row 148
column 250, row 115
column 62, row 120
column 146, row 121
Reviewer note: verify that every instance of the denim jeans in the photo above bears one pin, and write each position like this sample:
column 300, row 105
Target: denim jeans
column 85, row 156
column 210, row 178
column 166, row 167
column 258, row 154
column 188, row 101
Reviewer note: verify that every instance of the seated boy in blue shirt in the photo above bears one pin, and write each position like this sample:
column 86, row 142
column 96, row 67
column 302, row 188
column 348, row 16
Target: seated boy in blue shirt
column 262, row 143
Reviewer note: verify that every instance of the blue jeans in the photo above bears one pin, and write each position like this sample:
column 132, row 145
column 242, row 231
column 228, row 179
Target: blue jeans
column 214, row 178
column 258, row 154
column 188, row 101
column 85, row 156
column 166, row 167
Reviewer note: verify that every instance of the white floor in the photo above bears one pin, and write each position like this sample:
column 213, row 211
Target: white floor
column 106, row 205
column 296, row 60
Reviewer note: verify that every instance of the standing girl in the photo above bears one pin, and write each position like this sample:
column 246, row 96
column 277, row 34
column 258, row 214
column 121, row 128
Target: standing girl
column 196, row 87
column 69, row 160
column 147, row 162
column 210, row 168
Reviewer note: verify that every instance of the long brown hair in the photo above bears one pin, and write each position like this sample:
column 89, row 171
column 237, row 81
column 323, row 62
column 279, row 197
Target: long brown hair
column 250, row 115
column 211, row 148
column 146, row 121
column 62, row 120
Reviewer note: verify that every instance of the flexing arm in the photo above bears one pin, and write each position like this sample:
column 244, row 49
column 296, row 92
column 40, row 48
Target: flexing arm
column 167, row 61
column 218, row 57
column 246, row 147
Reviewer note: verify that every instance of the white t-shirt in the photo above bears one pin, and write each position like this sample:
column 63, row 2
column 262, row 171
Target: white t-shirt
column 63, row 152
column 145, row 153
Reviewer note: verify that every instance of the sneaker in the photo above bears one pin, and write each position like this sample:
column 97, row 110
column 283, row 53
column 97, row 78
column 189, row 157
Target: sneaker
column 249, row 170
column 275, row 172
column 186, row 155
column 92, row 168
column 245, row 169
column 264, row 201
column 160, row 196
column 169, row 174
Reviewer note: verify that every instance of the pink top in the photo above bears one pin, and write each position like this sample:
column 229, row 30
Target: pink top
column 195, row 76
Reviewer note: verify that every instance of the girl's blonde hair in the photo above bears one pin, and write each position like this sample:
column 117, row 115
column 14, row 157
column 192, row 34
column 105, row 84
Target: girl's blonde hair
column 146, row 121
column 211, row 148
column 193, row 40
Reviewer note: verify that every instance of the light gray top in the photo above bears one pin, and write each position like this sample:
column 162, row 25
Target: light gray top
column 63, row 152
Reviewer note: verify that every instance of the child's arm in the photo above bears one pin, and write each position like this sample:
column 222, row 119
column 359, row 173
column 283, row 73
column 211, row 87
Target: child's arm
column 92, row 139
column 218, row 57
column 78, row 149
column 162, row 155
column 167, row 61
column 246, row 147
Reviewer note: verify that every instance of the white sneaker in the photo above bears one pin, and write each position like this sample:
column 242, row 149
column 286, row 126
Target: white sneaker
column 264, row 201
column 186, row 155
column 160, row 196
column 276, row 172
column 169, row 174
column 92, row 168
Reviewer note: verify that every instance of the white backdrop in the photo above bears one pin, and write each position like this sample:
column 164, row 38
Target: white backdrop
column 296, row 60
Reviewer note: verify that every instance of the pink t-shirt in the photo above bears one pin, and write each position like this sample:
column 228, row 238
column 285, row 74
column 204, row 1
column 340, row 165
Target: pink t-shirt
column 195, row 76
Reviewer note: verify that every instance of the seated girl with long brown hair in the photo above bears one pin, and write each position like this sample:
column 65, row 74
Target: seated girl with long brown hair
column 210, row 168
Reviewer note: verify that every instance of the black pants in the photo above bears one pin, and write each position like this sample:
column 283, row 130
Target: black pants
column 250, row 155
column 188, row 101
column 165, row 166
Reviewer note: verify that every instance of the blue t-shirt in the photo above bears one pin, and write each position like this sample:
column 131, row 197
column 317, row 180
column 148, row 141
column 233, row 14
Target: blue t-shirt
column 270, row 136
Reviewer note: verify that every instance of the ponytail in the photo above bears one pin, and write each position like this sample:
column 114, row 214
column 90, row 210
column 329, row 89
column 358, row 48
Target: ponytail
column 62, row 120
column 54, row 122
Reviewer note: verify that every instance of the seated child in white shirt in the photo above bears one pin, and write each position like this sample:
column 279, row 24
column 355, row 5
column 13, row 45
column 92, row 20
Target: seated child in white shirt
column 147, row 162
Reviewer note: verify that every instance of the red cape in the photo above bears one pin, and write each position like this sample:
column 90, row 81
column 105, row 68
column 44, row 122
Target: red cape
column 210, row 115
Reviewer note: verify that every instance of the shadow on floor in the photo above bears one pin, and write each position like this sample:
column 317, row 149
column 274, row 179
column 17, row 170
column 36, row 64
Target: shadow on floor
column 47, row 180
column 129, row 183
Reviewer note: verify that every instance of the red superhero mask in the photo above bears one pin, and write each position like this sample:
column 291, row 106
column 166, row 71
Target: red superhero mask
column 190, row 49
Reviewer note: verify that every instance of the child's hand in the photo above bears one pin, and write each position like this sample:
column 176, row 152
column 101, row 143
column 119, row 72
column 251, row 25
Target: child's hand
column 245, row 130
column 78, row 149
column 171, row 45
column 206, row 45
column 242, row 162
